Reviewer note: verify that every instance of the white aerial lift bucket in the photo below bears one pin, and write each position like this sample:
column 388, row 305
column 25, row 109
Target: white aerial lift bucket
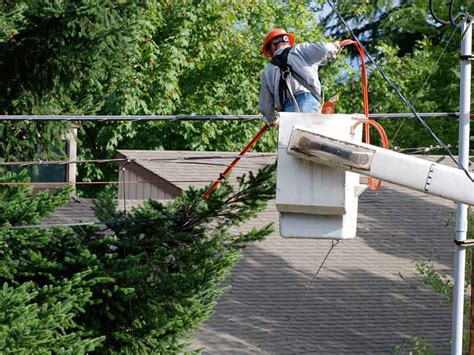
column 314, row 200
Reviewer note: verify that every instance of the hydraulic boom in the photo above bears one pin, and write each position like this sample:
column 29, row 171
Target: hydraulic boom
column 401, row 169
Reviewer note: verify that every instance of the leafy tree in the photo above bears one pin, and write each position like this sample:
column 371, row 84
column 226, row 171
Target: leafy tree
column 206, row 60
column 185, row 57
column 66, row 57
column 154, row 57
column 141, row 286
column 420, row 56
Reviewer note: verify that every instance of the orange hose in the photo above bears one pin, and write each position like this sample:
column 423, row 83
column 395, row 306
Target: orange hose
column 365, row 94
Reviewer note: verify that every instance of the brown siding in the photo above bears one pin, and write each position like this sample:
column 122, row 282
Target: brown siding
column 154, row 186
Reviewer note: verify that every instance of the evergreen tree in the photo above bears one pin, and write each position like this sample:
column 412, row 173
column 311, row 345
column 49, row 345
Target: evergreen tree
column 67, row 57
column 40, row 320
column 141, row 286
column 42, row 293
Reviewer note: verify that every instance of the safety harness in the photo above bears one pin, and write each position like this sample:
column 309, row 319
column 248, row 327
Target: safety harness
column 284, row 86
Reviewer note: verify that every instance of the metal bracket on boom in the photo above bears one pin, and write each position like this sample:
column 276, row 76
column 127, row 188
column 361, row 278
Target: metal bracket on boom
column 464, row 243
column 467, row 57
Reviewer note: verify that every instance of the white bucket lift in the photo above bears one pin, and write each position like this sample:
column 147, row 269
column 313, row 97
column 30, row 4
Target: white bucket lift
column 314, row 200
column 319, row 161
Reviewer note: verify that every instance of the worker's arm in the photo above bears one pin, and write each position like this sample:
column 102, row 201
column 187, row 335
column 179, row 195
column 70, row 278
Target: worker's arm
column 267, row 102
column 318, row 53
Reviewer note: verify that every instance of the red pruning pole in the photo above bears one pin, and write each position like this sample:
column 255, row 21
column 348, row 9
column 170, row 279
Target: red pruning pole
column 235, row 161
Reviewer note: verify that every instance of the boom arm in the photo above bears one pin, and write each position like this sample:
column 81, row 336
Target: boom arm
column 401, row 169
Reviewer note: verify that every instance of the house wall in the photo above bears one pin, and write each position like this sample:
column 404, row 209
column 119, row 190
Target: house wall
column 137, row 183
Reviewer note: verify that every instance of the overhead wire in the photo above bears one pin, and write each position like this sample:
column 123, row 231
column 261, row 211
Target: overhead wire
column 428, row 77
column 415, row 150
column 412, row 150
column 433, row 14
column 94, row 223
column 107, row 182
column 401, row 96
column 202, row 118
column 116, row 118
column 131, row 159
column 308, row 286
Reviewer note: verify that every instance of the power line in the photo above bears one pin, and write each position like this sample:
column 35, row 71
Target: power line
column 95, row 223
column 193, row 160
column 308, row 286
column 59, row 162
column 410, row 115
column 426, row 80
column 400, row 95
column 134, row 118
column 203, row 118
column 111, row 182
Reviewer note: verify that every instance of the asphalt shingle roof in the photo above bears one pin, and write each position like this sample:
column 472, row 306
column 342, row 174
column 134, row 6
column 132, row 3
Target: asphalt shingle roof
column 185, row 168
column 368, row 298
column 75, row 211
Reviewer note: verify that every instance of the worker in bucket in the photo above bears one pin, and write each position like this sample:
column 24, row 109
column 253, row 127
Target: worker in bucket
column 290, row 82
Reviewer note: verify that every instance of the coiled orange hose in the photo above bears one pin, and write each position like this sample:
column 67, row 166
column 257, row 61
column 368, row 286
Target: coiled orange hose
column 365, row 94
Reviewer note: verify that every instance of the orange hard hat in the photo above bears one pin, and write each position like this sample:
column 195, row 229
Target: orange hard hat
column 274, row 34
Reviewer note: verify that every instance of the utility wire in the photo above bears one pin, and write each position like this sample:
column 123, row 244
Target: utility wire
column 414, row 150
column 204, row 118
column 435, row 17
column 128, row 182
column 400, row 95
column 303, row 296
column 408, row 150
column 193, row 160
column 428, row 77
column 95, row 223
column 124, row 221
column 109, row 118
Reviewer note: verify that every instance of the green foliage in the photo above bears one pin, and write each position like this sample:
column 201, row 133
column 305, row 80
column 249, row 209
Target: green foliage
column 154, row 57
column 445, row 286
column 205, row 59
column 415, row 345
column 167, row 263
column 67, row 57
column 439, row 283
column 194, row 57
column 406, row 43
column 40, row 320
column 39, row 300
column 141, row 286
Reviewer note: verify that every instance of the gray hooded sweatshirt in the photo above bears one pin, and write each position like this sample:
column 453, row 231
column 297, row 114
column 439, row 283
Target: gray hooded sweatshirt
column 304, row 58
